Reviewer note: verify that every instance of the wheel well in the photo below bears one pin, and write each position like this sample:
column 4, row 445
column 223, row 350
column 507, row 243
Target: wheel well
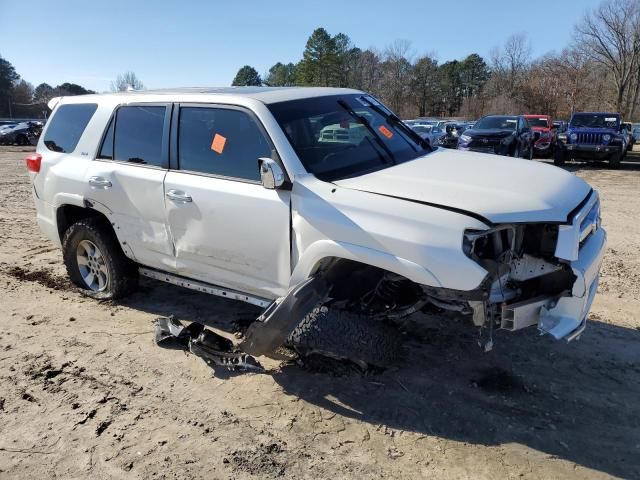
column 67, row 215
column 350, row 278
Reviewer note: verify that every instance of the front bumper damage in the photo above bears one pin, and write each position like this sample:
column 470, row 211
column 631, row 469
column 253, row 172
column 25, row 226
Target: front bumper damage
column 581, row 246
column 567, row 317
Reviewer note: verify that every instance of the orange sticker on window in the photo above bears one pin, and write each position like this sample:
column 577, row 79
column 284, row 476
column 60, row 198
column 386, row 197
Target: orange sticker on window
column 385, row 131
column 218, row 143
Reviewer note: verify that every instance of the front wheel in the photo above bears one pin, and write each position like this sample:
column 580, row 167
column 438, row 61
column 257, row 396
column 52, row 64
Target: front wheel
column 95, row 262
column 344, row 335
column 614, row 161
column 559, row 157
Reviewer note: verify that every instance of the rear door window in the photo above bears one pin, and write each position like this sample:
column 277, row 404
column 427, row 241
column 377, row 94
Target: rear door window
column 220, row 141
column 67, row 125
column 137, row 135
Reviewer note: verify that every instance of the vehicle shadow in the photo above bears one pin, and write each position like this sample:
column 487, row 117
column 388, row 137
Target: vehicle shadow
column 576, row 401
column 163, row 300
column 630, row 163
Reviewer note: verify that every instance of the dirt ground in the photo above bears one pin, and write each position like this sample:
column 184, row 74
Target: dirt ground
column 85, row 392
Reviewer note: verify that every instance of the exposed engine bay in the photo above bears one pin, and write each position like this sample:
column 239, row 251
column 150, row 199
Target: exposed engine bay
column 523, row 276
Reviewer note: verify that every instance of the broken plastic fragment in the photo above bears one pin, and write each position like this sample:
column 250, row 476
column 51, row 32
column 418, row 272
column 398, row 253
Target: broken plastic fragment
column 206, row 344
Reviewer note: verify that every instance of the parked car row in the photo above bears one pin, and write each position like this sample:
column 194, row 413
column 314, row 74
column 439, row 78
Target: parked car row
column 23, row 133
column 587, row 135
column 441, row 133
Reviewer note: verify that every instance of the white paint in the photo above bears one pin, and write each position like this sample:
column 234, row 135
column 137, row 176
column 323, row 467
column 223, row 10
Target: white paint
column 260, row 242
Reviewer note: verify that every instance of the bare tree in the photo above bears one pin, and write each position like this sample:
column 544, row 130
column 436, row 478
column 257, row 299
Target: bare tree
column 126, row 81
column 396, row 75
column 610, row 36
column 512, row 60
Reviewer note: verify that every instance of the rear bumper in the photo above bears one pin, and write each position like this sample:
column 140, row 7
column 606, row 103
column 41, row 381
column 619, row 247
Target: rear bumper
column 566, row 317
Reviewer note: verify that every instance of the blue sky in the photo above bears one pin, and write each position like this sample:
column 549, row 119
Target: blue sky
column 203, row 43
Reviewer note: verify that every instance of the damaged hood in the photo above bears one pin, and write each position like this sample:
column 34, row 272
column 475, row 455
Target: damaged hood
column 500, row 189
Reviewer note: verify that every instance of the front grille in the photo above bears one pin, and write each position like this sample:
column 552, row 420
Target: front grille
column 480, row 142
column 589, row 138
column 483, row 149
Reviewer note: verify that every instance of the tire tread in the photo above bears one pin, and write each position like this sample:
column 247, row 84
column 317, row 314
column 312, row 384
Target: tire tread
column 124, row 274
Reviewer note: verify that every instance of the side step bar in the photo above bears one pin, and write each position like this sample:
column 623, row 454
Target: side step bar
column 203, row 287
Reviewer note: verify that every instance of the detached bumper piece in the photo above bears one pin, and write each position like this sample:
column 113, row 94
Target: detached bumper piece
column 206, row 344
column 568, row 317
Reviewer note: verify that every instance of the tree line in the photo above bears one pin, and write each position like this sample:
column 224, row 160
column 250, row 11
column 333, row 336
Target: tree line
column 598, row 71
column 20, row 99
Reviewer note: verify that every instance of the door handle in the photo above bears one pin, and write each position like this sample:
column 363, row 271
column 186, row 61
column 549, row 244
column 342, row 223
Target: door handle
column 99, row 182
column 178, row 196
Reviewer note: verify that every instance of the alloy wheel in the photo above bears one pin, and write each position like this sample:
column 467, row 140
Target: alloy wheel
column 92, row 267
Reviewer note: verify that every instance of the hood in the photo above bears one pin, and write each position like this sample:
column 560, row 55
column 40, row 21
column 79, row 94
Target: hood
column 499, row 189
column 489, row 132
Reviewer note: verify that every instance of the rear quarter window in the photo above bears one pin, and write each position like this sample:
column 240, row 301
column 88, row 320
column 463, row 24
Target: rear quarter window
column 67, row 125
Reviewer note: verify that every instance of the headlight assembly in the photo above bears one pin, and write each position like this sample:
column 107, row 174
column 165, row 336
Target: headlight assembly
column 574, row 137
column 465, row 138
column 606, row 137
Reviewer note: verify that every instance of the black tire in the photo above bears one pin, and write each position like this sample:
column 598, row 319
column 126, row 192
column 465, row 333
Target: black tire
column 531, row 152
column 559, row 157
column 22, row 140
column 614, row 161
column 345, row 335
column 121, row 273
column 517, row 152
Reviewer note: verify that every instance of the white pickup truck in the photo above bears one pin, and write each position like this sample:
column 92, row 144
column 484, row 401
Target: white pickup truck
column 239, row 192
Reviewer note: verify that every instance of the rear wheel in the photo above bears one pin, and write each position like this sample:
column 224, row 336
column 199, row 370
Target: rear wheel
column 344, row 335
column 95, row 262
column 22, row 140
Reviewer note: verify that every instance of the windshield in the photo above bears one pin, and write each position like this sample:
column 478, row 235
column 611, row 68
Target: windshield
column 538, row 122
column 500, row 123
column 421, row 128
column 595, row 120
column 344, row 136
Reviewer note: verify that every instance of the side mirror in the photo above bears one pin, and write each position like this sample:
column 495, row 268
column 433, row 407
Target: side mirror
column 271, row 173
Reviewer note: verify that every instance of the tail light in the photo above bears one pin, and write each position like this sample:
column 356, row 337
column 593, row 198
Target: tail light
column 33, row 162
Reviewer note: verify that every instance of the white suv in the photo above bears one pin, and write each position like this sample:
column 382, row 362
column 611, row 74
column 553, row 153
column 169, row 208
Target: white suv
column 233, row 191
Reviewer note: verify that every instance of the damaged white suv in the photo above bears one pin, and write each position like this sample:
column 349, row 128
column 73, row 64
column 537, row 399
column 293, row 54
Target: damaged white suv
column 318, row 204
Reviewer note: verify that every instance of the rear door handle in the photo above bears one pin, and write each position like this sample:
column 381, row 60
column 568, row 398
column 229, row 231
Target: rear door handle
column 178, row 196
column 99, row 182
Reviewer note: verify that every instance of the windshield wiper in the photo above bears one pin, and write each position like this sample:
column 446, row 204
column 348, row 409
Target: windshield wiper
column 364, row 121
column 395, row 121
